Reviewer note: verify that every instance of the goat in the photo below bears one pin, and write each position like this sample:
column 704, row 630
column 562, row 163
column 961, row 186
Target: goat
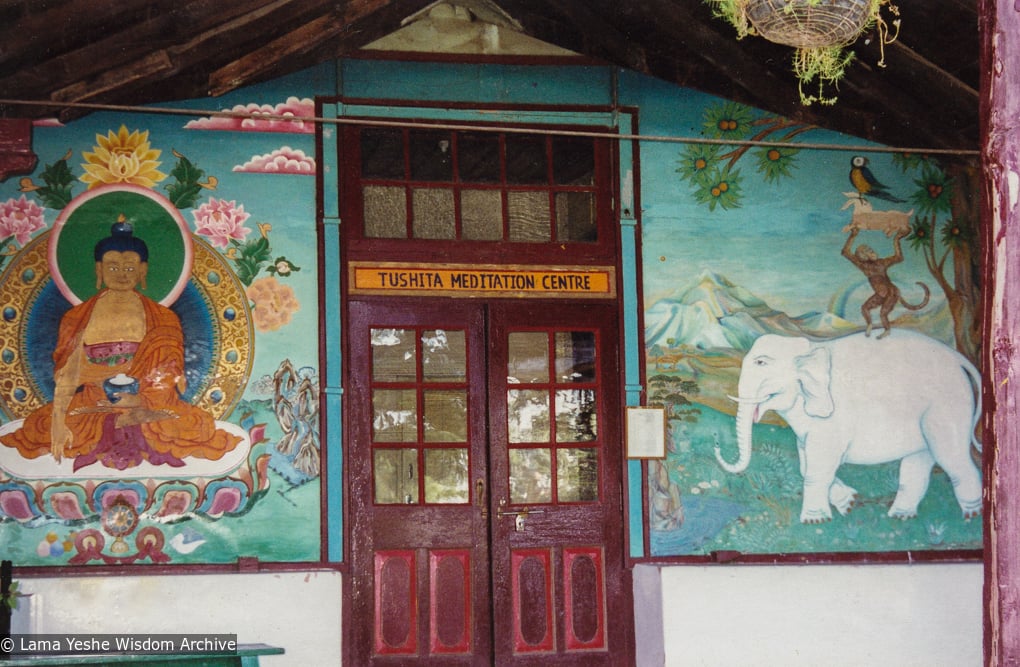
column 892, row 223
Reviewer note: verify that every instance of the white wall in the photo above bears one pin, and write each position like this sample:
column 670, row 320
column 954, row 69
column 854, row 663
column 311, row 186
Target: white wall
column 299, row 611
column 920, row 615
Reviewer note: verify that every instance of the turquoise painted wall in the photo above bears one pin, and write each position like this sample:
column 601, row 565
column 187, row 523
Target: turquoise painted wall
column 718, row 267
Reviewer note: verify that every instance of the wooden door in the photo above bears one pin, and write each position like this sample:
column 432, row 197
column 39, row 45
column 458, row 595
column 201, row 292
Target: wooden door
column 485, row 485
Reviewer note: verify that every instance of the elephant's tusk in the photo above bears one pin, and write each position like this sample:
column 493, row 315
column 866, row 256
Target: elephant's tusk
column 748, row 401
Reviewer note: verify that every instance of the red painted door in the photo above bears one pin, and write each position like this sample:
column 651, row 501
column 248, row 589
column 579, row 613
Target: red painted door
column 484, row 473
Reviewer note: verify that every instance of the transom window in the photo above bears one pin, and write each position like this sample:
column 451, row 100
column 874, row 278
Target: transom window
column 478, row 187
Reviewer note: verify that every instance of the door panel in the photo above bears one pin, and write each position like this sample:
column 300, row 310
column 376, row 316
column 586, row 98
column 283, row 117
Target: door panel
column 419, row 557
column 485, row 468
column 555, row 465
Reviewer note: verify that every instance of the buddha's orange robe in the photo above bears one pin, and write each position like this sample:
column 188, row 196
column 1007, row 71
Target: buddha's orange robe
column 158, row 364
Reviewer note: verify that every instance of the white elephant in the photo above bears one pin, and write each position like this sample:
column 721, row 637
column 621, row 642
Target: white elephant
column 862, row 400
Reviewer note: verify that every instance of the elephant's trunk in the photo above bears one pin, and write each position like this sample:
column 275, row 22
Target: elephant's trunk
column 745, row 419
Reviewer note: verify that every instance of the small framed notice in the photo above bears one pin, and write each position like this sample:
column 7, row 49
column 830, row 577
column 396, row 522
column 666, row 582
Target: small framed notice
column 646, row 433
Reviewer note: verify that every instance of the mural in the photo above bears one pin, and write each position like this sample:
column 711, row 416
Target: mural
column 818, row 367
column 156, row 406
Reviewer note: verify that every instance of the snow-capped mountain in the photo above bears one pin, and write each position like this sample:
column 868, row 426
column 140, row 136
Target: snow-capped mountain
column 712, row 312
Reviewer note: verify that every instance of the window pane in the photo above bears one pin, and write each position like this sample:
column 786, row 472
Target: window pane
column 446, row 476
column 394, row 415
column 433, row 213
column 528, row 357
column 576, row 415
column 481, row 215
column 445, row 418
column 530, row 476
column 396, row 476
column 443, row 356
column 529, row 216
column 431, row 156
column 382, row 153
column 575, row 356
column 393, row 356
column 575, row 217
column 577, row 475
column 385, row 212
column 525, row 159
column 478, row 157
column 527, row 415
column 573, row 161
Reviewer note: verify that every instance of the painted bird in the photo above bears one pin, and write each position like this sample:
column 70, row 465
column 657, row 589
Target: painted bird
column 865, row 182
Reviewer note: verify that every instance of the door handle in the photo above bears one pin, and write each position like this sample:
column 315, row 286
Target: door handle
column 480, row 497
column 520, row 516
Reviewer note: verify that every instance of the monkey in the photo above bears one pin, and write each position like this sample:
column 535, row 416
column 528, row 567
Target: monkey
column 876, row 269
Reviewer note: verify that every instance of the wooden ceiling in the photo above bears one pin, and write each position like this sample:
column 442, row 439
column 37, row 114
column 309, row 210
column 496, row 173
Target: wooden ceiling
column 128, row 52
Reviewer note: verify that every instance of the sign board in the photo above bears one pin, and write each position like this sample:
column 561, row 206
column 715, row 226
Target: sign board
column 482, row 280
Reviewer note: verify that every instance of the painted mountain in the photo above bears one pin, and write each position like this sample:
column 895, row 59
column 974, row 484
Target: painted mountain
column 711, row 313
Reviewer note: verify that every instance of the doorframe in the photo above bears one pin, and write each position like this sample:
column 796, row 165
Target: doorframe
column 621, row 120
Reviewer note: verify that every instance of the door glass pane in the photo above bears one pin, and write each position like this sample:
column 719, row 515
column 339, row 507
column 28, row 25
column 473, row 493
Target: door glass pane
column 577, row 475
column 575, row 217
column 396, row 476
column 433, row 213
column 530, row 476
column 528, row 216
column 575, row 356
column 527, row 415
column 478, row 157
column 385, row 212
column 525, row 159
column 573, row 161
column 445, row 418
column 481, row 215
column 528, row 357
column 446, row 476
column 443, row 356
column 382, row 153
column 431, row 155
column 393, row 355
column 576, row 415
column 394, row 415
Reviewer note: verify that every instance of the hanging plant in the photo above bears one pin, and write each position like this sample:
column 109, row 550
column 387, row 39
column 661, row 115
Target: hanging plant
column 819, row 30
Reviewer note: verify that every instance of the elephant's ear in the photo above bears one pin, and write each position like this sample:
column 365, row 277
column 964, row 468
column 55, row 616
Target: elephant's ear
column 814, row 371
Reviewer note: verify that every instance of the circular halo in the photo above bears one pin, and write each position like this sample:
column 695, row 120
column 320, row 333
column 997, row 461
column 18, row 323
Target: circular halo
column 88, row 218
column 212, row 306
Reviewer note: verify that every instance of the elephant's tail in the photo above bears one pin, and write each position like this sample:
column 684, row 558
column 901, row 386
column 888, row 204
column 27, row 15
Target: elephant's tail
column 975, row 380
column 924, row 301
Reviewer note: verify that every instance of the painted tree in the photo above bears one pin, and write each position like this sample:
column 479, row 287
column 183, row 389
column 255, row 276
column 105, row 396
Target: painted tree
column 946, row 228
column 710, row 168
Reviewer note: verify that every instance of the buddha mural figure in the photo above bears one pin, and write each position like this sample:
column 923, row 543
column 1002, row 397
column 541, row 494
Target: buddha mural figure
column 119, row 377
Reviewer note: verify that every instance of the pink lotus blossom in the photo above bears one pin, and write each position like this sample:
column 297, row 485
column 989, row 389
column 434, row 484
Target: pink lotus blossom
column 20, row 218
column 219, row 221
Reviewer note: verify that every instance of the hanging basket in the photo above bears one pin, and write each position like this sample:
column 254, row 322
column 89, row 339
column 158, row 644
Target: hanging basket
column 809, row 23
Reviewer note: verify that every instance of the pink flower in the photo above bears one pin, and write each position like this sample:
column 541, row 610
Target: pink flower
column 219, row 221
column 19, row 218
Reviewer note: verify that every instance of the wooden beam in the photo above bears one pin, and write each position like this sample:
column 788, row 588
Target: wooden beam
column 153, row 67
column 602, row 38
column 331, row 36
column 1000, row 114
column 268, row 57
column 70, row 25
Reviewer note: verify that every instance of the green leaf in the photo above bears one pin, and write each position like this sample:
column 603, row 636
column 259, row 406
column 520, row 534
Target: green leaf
column 185, row 192
column 57, row 193
column 183, row 196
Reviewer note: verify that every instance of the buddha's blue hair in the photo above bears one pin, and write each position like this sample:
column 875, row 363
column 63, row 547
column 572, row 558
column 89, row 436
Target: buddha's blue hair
column 122, row 239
